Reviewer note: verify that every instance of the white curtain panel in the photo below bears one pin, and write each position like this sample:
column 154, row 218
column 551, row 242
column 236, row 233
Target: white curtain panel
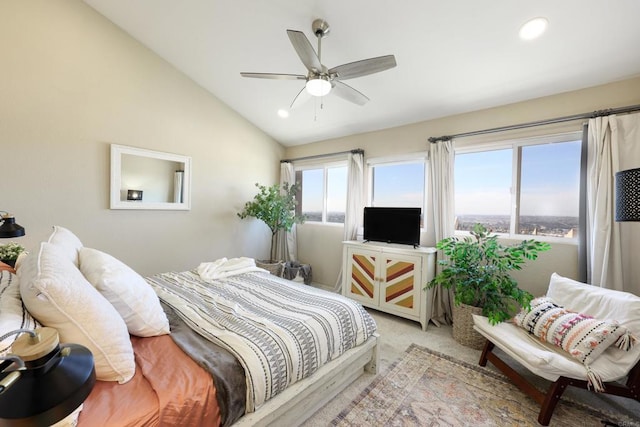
column 355, row 205
column 613, row 145
column 286, row 242
column 178, row 186
column 355, row 187
column 441, row 179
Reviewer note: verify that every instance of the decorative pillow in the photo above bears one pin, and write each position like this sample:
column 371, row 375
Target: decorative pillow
column 67, row 241
column 581, row 335
column 127, row 291
column 57, row 294
column 21, row 258
column 13, row 314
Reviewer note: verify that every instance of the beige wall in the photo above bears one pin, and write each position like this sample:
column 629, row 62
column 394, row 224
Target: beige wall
column 73, row 83
column 318, row 247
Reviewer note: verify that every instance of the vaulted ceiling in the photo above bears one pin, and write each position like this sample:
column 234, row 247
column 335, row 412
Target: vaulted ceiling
column 452, row 56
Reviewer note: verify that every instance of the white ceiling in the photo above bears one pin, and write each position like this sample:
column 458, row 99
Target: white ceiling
column 453, row 56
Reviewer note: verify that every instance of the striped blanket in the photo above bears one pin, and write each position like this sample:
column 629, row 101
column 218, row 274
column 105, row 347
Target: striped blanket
column 280, row 331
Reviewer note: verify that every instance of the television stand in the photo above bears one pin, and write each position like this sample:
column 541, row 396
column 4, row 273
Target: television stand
column 389, row 277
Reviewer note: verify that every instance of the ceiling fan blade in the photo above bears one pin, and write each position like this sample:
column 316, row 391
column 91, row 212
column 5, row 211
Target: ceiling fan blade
column 302, row 97
column 305, row 51
column 274, row 76
column 363, row 67
column 347, row 92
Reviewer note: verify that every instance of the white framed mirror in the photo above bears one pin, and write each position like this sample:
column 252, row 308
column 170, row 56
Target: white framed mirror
column 146, row 179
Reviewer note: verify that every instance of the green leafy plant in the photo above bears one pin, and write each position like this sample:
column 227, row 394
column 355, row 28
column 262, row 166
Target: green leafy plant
column 275, row 206
column 478, row 271
column 10, row 252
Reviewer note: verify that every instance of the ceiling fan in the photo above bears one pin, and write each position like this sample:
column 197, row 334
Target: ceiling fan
column 320, row 80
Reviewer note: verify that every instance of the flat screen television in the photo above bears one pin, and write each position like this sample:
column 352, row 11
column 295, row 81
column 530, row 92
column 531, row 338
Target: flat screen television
column 392, row 225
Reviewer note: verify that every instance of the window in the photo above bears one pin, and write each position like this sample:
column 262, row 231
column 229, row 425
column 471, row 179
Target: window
column 528, row 188
column 323, row 194
column 398, row 183
column 312, row 197
column 483, row 189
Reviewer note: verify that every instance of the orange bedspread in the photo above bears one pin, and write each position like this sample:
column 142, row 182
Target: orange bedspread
column 168, row 389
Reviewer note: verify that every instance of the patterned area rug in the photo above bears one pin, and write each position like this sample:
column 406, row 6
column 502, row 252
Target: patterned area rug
column 427, row 388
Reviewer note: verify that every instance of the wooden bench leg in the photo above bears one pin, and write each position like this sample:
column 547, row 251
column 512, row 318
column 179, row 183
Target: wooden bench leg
column 551, row 400
column 488, row 346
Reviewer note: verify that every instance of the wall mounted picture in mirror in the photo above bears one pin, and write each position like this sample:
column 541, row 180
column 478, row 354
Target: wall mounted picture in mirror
column 147, row 179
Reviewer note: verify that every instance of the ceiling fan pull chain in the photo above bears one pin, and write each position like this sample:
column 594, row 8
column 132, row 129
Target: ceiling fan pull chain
column 315, row 110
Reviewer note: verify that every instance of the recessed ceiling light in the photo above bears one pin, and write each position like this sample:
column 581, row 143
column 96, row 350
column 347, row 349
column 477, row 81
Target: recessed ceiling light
column 283, row 113
column 533, row 28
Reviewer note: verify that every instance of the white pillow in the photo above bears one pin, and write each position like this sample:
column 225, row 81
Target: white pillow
column 67, row 242
column 127, row 291
column 57, row 294
column 20, row 258
column 13, row 315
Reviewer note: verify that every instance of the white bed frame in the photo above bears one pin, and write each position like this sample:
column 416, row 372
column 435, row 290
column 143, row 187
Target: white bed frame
column 298, row 402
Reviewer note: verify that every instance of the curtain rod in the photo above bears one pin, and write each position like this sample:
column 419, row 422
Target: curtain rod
column 594, row 114
column 318, row 156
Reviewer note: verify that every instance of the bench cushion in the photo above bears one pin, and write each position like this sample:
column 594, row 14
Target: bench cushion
column 551, row 362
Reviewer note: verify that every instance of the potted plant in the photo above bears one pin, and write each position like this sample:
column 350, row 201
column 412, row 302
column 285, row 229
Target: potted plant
column 9, row 253
column 275, row 206
column 477, row 269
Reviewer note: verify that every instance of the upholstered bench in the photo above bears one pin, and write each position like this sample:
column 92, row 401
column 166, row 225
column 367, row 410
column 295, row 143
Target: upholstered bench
column 555, row 364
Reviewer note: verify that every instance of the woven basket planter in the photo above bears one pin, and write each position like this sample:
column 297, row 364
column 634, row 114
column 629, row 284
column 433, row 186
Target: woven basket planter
column 463, row 331
column 274, row 267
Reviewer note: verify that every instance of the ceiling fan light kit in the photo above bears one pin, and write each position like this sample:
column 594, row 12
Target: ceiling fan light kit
column 318, row 86
column 320, row 80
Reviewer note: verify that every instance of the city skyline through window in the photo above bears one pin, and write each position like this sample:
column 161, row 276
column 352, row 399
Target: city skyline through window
column 543, row 199
column 534, row 192
column 322, row 204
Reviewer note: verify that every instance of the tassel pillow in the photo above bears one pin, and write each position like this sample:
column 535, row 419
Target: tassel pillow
column 581, row 335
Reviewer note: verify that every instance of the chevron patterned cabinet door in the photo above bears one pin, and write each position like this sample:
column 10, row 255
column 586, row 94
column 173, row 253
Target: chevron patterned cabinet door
column 362, row 277
column 389, row 277
column 400, row 283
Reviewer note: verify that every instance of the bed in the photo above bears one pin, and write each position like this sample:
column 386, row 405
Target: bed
column 228, row 346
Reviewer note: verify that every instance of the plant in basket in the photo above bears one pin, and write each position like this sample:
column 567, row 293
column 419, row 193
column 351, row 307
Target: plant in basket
column 477, row 268
column 275, row 206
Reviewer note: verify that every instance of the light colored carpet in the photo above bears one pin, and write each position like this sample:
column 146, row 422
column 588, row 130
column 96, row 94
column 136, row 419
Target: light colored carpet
column 397, row 334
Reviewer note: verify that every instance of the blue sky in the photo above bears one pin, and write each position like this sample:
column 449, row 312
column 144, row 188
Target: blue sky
column 399, row 185
column 549, row 183
column 312, row 197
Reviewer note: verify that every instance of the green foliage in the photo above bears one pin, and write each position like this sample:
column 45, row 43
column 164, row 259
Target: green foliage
column 274, row 206
column 10, row 251
column 478, row 271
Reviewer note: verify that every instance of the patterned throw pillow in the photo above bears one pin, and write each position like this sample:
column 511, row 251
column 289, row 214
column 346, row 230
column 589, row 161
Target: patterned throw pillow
column 582, row 336
column 13, row 314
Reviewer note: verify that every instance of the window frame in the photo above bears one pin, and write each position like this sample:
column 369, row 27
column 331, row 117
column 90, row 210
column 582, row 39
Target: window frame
column 516, row 165
column 397, row 160
column 325, row 177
